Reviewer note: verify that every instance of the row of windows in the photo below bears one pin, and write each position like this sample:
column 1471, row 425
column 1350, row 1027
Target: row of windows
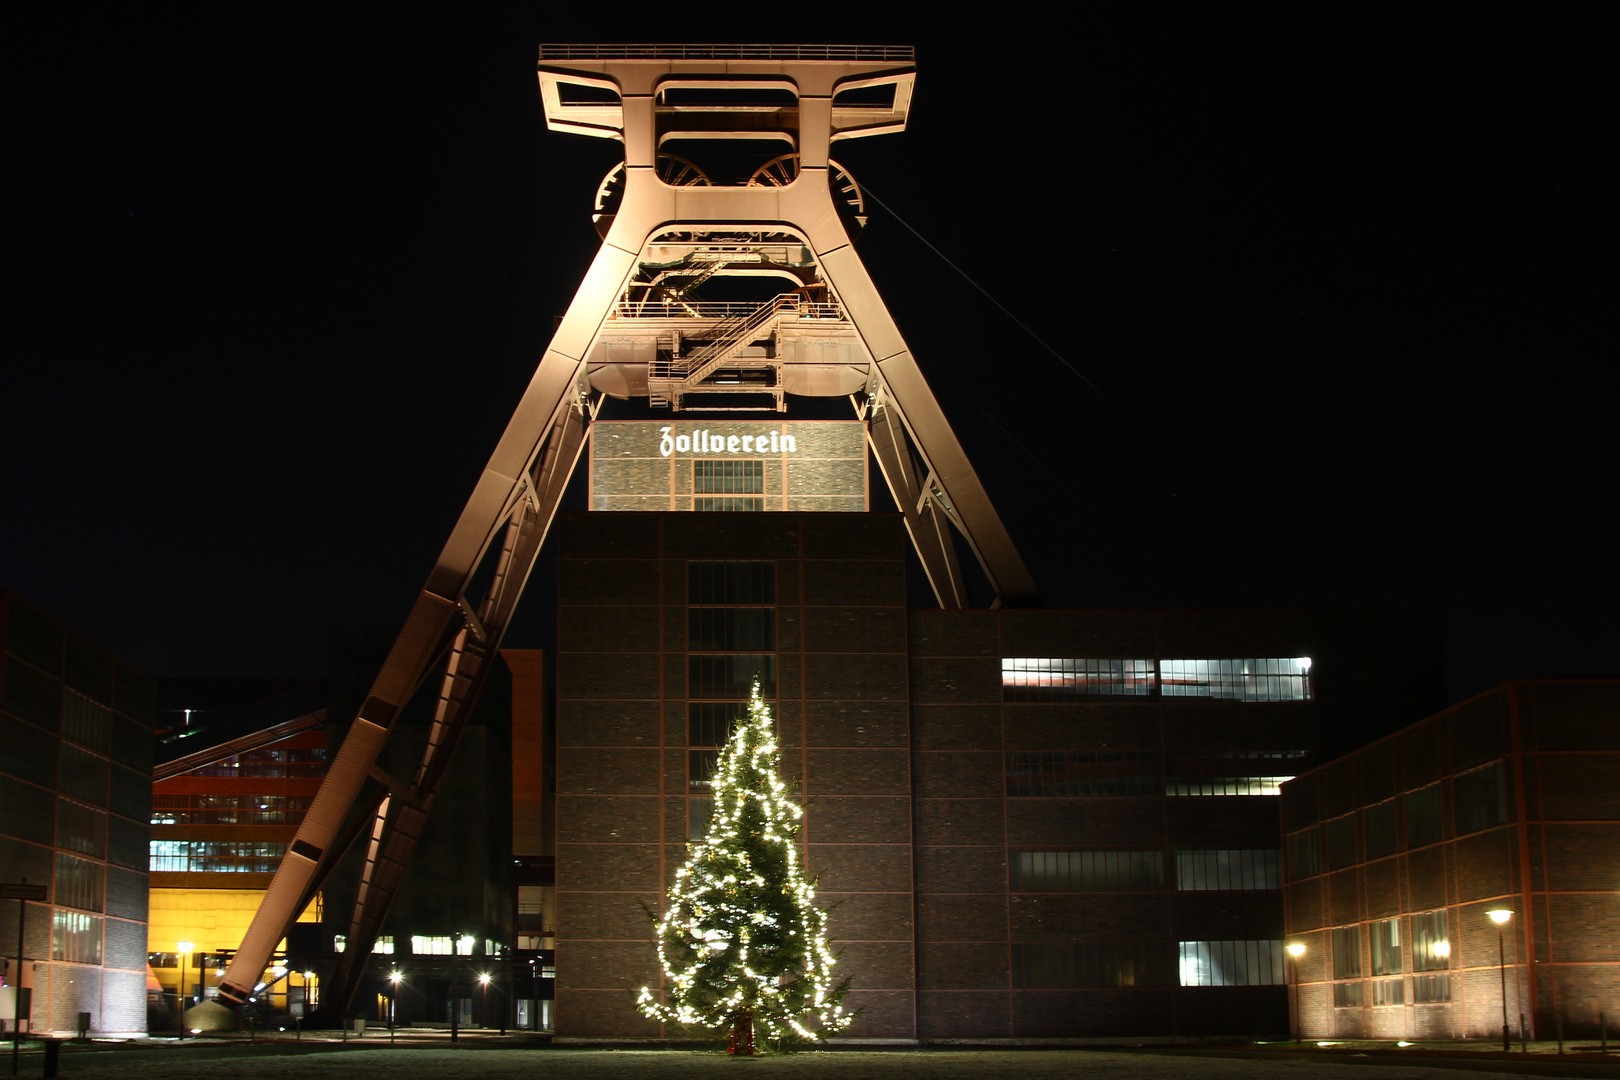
column 292, row 761
column 1112, row 964
column 218, row 809
column 1431, row 946
column 710, row 477
column 215, row 856
column 1141, row 871
column 1069, row 774
column 1038, row 678
column 1426, row 990
column 76, row 938
column 423, row 945
column 1077, row 773
column 1480, row 802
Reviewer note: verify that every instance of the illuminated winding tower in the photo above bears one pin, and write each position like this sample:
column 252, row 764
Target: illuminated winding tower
column 727, row 189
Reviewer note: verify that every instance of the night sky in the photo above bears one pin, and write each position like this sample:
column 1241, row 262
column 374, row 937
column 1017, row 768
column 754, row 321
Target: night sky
column 277, row 278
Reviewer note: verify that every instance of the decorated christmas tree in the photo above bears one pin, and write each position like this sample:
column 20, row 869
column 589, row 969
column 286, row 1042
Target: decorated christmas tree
column 741, row 942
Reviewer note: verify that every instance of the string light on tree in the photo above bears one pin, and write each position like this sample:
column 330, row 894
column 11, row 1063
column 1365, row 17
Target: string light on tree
column 741, row 942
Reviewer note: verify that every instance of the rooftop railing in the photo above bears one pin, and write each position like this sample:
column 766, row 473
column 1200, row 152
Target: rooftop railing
column 899, row 54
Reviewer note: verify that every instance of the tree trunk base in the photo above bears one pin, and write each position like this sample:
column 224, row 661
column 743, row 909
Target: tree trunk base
column 742, row 1035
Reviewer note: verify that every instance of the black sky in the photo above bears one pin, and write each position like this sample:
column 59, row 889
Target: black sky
column 277, row 277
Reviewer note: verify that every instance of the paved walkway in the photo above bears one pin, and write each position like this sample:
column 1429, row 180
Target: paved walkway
column 497, row 1059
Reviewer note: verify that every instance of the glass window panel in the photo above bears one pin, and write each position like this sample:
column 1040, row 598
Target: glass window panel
column 1245, row 772
column 75, row 937
column 731, row 582
column 1346, row 952
column 730, row 675
column 731, row 629
column 1087, row 871
column 1347, row 995
column 1422, row 816
column 1383, row 831
column 85, row 722
column 1025, row 678
column 1389, row 992
column 698, row 812
column 708, row 723
column 700, row 768
column 1231, row 963
column 1271, row 679
column 727, row 477
column 78, row 882
column 1431, row 942
column 1068, row 966
column 1481, row 798
column 1304, row 854
column 1341, row 842
column 83, row 775
column 1385, row 939
column 1227, row 870
column 81, row 829
column 1076, row 773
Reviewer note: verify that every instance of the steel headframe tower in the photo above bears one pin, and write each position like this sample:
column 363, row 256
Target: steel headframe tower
column 726, row 178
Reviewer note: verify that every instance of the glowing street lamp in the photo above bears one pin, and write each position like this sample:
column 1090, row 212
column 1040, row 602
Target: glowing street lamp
column 1500, row 917
column 1296, row 949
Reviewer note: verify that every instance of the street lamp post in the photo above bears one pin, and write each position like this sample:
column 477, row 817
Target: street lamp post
column 1500, row 917
column 1295, row 951
column 184, row 949
column 393, row 1000
column 455, row 1004
column 483, row 980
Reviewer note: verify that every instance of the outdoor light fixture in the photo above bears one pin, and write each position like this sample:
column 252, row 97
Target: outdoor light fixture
column 1296, row 950
column 1442, row 948
column 1500, row 917
column 184, row 949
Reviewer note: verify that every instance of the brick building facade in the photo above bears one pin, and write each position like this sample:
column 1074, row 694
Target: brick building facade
column 75, row 798
column 1507, row 802
column 1034, row 824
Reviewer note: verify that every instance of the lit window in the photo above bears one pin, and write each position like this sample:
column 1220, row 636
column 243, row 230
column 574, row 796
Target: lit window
column 1271, row 679
column 464, row 945
column 1240, row 772
column 1027, row 678
column 1385, row 936
column 1431, row 943
column 384, row 945
column 76, row 938
column 1087, row 871
column 1231, row 963
column 430, row 946
column 340, row 942
column 1243, row 869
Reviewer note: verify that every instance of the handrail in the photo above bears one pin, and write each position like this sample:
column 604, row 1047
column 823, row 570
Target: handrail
column 904, row 54
column 713, row 309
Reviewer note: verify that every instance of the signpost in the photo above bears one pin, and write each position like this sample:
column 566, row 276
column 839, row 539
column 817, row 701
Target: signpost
column 21, row 892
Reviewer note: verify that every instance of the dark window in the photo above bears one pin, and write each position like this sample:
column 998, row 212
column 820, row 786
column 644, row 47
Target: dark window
column 1304, row 855
column 698, row 812
column 1383, row 831
column 1422, row 816
column 1225, row 870
column 1389, row 992
column 85, row 722
column 1077, row 773
column 1431, row 989
column 1099, row 964
column 731, row 629
column 730, row 676
column 83, row 775
column 1385, row 937
column 1231, row 963
column 1481, row 798
column 1347, row 994
column 1238, row 772
column 700, row 768
column 78, row 882
column 1346, row 952
column 731, row 582
column 1341, row 842
column 81, row 829
column 1431, row 943
column 1087, row 871
column 1030, row 678
column 708, row 723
